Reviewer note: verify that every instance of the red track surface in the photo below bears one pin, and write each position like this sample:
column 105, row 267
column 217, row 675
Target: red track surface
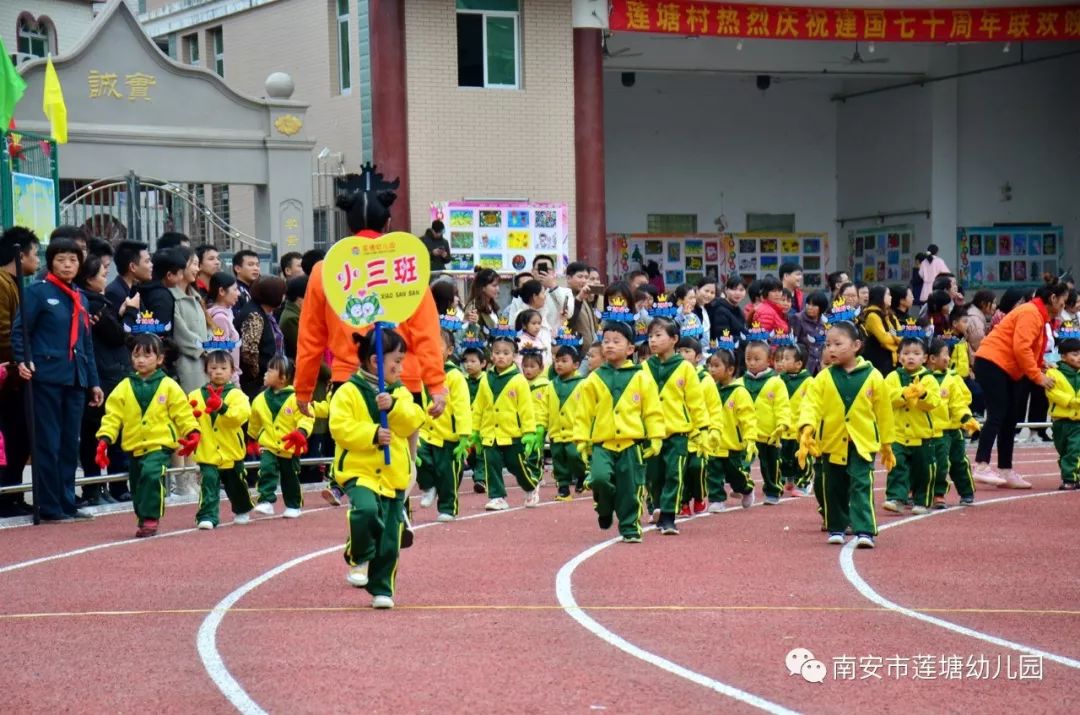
column 479, row 628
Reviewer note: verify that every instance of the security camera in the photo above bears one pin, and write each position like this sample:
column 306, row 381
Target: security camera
column 764, row 81
column 628, row 79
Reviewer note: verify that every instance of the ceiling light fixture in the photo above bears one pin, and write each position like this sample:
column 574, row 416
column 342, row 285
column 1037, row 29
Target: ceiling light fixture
column 871, row 48
column 1007, row 47
column 738, row 45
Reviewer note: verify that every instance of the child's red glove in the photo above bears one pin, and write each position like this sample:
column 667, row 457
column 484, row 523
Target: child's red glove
column 101, row 458
column 189, row 444
column 253, row 449
column 213, row 399
column 195, row 408
column 295, row 442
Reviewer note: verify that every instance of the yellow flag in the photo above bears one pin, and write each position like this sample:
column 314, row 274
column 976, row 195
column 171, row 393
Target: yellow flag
column 52, row 103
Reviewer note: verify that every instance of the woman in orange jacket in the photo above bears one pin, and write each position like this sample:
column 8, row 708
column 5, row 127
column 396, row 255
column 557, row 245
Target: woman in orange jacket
column 1008, row 362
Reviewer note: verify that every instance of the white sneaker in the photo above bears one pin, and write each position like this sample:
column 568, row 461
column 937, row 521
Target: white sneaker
column 864, row 541
column 428, row 498
column 265, row 507
column 357, row 575
column 747, row 500
column 205, row 525
column 985, row 474
column 382, row 602
column 444, row 517
column 919, row 510
column 532, row 499
column 241, row 519
column 893, row 506
column 496, row 505
column 836, row 538
column 716, row 507
column 655, row 516
column 1024, row 436
column 291, row 513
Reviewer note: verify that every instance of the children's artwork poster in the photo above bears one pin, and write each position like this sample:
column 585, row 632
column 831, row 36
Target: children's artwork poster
column 762, row 254
column 881, row 253
column 504, row 236
column 1004, row 256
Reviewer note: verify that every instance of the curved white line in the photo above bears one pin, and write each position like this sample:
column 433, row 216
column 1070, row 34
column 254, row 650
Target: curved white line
column 847, row 565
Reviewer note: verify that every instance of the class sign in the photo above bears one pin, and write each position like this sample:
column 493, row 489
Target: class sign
column 369, row 280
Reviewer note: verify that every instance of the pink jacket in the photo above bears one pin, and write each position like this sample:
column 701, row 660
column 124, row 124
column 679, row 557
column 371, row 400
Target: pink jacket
column 222, row 318
column 928, row 271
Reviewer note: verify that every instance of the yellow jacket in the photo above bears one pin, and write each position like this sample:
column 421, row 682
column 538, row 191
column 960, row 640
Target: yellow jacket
column 867, row 423
column 913, row 418
column 737, row 426
column 796, row 385
column 1064, row 396
column 151, row 414
column 618, row 407
column 955, row 407
column 681, row 401
column 961, row 359
column 504, row 407
column 713, row 411
column 881, row 328
column 771, row 402
column 456, row 420
column 222, row 444
column 354, row 425
column 563, row 402
column 539, row 389
column 275, row 414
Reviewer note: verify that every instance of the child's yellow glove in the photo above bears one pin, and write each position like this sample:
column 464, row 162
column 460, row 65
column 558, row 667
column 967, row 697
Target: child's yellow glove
column 913, row 391
column 584, row 451
column 751, row 451
column 807, row 445
column 888, row 459
column 712, row 441
column 777, row 433
column 971, row 426
column 651, row 448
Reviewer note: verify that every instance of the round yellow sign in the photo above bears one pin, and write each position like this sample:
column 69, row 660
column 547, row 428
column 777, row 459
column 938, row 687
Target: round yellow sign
column 368, row 280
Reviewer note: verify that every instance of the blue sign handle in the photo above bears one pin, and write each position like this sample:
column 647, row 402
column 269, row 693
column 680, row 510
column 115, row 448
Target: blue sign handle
column 382, row 383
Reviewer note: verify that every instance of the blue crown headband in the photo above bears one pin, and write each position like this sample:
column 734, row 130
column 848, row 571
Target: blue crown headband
column 1067, row 331
column 145, row 322
column 691, row 327
column 641, row 331
column 503, row 330
column 911, row 329
column 950, row 338
column 218, row 341
column 781, row 338
column 757, row 334
column 567, row 337
column 472, row 341
column 662, row 307
column 618, row 311
column 450, row 320
column 727, row 341
column 841, row 313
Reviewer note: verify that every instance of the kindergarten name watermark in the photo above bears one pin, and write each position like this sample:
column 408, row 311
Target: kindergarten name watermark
column 923, row 666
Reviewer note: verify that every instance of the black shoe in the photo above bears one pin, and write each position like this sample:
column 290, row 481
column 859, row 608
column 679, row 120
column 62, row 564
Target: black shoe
column 1068, row 487
column 579, row 487
column 126, row 496
column 10, row 511
column 667, row 525
column 605, row 520
column 107, row 498
column 479, row 487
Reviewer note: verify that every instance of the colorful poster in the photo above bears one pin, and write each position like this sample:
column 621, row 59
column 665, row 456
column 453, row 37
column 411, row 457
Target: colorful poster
column 504, row 235
column 883, row 250
column 34, row 201
column 992, row 257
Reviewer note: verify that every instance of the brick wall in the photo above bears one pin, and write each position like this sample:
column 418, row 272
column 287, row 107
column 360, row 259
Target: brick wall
column 490, row 142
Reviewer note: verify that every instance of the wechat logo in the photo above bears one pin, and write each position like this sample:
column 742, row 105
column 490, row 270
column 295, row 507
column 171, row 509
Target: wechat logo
column 800, row 661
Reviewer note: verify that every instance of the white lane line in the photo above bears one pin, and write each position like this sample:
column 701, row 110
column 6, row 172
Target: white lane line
column 847, row 565
column 206, row 640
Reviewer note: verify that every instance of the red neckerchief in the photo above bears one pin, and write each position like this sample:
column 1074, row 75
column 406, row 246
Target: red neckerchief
column 78, row 310
column 368, row 234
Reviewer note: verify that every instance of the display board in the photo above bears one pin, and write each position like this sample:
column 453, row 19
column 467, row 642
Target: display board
column 1004, row 256
column 504, row 236
column 685, row 258
column 882, row 253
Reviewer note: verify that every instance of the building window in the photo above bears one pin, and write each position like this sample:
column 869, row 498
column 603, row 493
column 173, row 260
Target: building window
column 34, row 38
column 489, row 43
column 191, row 49
column 344, row 56
column 671, row 223
column 217, row 44
column 770, row 223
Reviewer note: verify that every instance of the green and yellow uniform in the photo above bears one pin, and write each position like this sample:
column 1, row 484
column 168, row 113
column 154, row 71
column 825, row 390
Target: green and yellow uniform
column 505, row 412
column 1064, row 399
column 619, row 408
column 915, row 469
column 950, row 453
column 852, row 417
column 797, row 384
column 683, row 408
column 698, row 462
column 538, row 386
column 732, row 433
column 471, row 461
column 221, row 451
column 562, row 403
column 960, row 359
column 439, row 437
column 150, row 415
column 376, row 489
column 274, row 414
column 773, row 409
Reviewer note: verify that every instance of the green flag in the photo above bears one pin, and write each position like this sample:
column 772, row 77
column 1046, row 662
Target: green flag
column 12, row 87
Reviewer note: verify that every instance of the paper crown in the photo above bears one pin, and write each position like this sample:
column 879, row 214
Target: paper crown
column 911, row 329
column 617, row 310
column 726, row 341
column 691, row 327
column 567, row 337
column 950, row 338
column 503, row 329
column 663, row 307
column 781, row 338
column 472, row 340
column 641, row 331
column 758, row 334
column 531, row 350
column 1067, row 331
column 145, row 322
column 219, row 341
column 841, row 312
column 450, row 320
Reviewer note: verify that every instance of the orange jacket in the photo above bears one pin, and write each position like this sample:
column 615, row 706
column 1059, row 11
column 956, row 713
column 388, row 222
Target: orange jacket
column 1018, row 342
column 320, row 328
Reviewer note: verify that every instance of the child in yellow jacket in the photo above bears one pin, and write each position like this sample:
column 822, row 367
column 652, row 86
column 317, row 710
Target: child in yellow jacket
column 1064, row 398
column 683, row 407
column 771, row 403
column 732, row 437
column 445, row 440
column 373, row 464
column 846, row 418
column 914, row 394
column 695, row 489
column 153, row 416
column 281, row 430
column 531, row 362
column 952, row 415
column 505, row 426
column 790, row 363
column 221, row 409
column 961, row 352
column 474, row 362
column 563, row 399
column 618, row 424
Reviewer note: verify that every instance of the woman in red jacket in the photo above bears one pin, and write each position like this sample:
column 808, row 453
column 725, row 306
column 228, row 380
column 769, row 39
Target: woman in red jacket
column 1008, row 364
column 768, row 314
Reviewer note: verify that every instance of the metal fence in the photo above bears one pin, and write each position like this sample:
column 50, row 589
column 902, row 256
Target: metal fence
column 29, row 182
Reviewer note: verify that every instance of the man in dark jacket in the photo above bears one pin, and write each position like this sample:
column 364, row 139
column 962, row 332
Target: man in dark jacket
column 437, row 245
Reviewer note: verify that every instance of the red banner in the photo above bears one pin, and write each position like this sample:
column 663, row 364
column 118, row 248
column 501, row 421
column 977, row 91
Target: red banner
column 778, row 22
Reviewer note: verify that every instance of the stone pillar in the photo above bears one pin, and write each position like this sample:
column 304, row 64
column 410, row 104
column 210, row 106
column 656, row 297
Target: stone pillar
column 389, row 101
column 591, row 223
